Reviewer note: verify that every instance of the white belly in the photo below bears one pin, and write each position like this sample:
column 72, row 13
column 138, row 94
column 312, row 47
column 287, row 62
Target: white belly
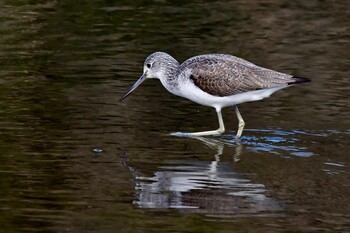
column 191, row 92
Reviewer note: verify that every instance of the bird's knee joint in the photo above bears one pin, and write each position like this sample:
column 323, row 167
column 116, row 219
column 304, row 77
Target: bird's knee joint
column 241, row 124
column 220, row 131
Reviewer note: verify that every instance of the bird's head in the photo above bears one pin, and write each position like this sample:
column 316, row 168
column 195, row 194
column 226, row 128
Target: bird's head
column 158, row 65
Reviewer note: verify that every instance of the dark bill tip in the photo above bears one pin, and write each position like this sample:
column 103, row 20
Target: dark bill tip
column 136, row 84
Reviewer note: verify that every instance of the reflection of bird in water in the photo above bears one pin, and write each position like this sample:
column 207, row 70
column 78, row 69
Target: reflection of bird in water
column 215, row 80
column 218, row 145
column 201, row 186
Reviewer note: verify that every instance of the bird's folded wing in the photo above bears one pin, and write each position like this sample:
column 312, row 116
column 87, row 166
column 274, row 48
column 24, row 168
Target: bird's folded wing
column 225, row 78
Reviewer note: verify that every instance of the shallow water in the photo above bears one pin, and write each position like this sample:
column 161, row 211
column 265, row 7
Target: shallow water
column 75, row 159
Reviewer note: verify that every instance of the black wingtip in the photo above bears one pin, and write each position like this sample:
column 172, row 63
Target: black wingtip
column 298, row 80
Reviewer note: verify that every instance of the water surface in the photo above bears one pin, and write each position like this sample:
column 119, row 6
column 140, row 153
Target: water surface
column 74, row 159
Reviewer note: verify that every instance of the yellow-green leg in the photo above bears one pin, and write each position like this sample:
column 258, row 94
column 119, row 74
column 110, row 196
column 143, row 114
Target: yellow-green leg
column 241, row 123
column 220, row 130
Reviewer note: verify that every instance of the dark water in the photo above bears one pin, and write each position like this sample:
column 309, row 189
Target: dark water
column 74, row 159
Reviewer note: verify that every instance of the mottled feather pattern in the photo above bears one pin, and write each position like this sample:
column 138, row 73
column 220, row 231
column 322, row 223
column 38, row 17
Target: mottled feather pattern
column 225, row 75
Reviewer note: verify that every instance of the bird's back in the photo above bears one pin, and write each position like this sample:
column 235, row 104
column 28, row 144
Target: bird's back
column 225, row 75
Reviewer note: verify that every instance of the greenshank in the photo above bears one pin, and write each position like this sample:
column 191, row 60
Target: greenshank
column 215, row 80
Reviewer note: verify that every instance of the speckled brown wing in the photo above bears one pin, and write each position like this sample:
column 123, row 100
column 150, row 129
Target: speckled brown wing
column 225, row 77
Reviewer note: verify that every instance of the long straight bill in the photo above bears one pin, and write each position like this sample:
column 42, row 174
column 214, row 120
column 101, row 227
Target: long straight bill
column 138, row 82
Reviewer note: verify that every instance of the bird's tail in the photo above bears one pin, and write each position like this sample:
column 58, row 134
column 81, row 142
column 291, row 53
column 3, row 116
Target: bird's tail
column 297, row 80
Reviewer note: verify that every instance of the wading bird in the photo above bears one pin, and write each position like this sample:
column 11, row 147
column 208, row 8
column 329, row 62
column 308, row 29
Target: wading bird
column 215, row 80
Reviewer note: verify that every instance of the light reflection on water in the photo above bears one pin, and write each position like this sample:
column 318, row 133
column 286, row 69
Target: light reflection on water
column 277, row 142
column 280, row 142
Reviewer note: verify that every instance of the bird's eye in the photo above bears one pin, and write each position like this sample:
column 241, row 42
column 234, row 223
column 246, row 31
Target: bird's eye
column 149, row 65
